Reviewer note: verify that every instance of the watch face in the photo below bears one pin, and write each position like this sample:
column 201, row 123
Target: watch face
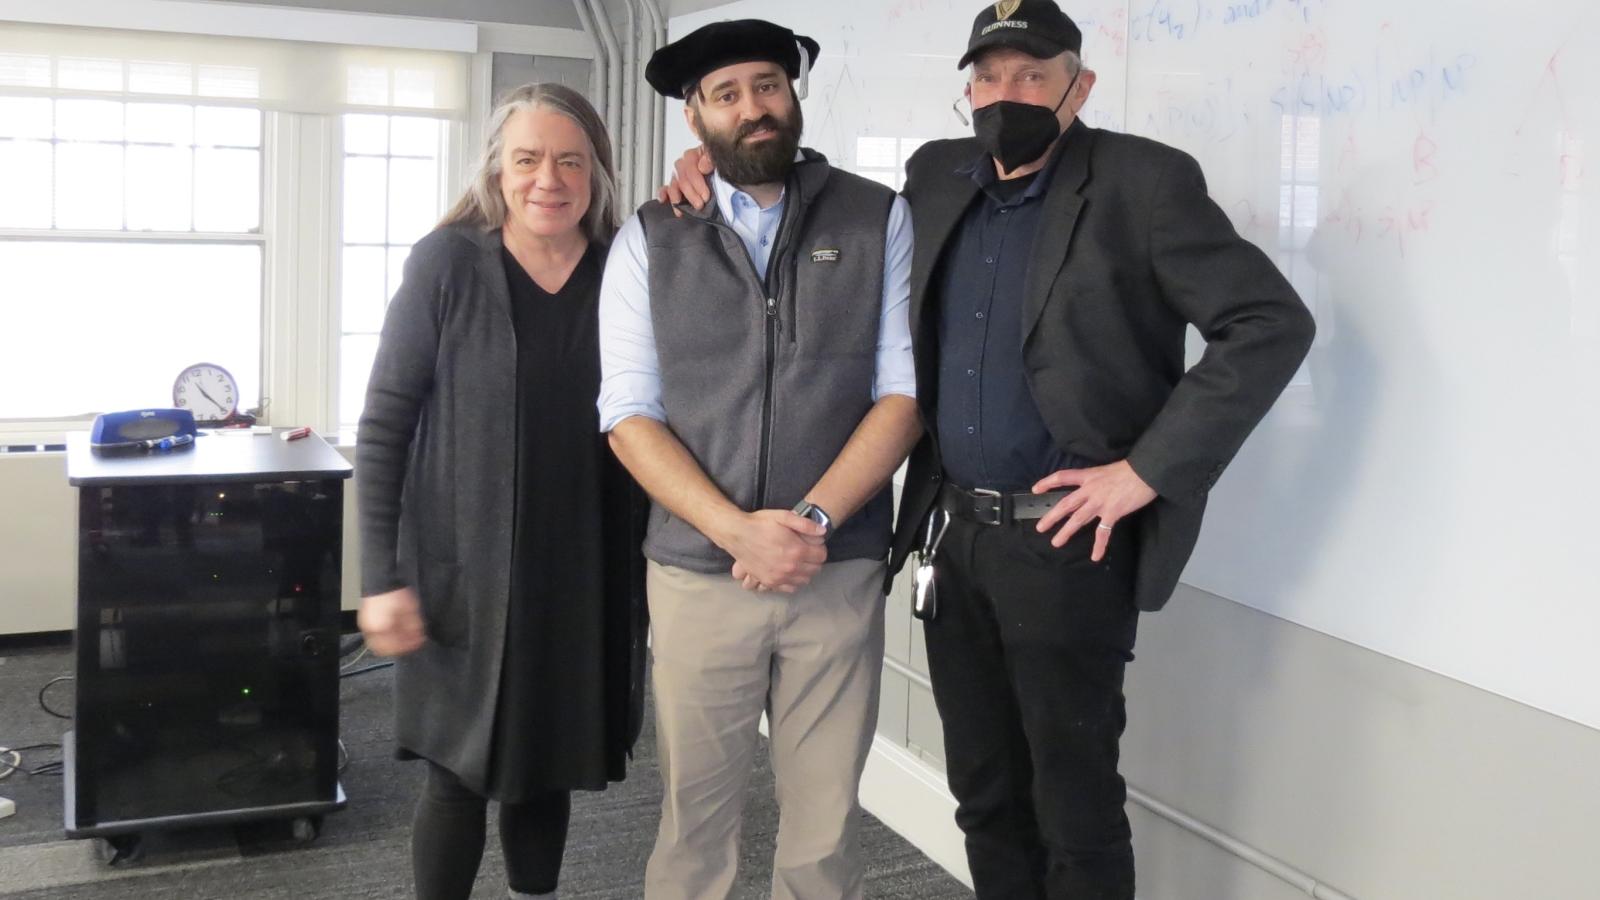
column 206, row 390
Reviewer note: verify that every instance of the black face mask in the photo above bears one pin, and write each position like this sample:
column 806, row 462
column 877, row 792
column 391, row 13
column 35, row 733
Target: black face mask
column 1016, row 134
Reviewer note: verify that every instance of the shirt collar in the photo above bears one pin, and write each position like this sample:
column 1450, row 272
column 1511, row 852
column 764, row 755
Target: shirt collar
column 726, row 192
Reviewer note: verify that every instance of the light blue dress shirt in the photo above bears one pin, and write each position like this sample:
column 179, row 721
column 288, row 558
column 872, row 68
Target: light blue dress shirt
column 630, row 370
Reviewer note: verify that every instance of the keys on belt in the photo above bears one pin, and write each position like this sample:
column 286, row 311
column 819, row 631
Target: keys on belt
column 984, row 507
column 925, row 600
column 996, row 507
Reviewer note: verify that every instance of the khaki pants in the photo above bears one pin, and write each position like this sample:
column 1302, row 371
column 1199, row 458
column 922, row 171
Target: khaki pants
column 811, row 660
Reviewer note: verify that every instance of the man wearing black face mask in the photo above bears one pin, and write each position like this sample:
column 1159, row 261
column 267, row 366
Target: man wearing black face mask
column 1068, row 454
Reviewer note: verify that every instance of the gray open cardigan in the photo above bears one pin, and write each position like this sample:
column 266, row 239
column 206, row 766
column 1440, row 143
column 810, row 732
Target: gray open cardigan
column 435, row 476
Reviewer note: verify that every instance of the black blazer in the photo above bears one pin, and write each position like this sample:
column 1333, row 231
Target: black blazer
column 1130, row 250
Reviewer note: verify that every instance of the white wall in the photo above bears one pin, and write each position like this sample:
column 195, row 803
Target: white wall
column 515, row 69
column 682, row 7
column 38, row 536
column 1380, row 778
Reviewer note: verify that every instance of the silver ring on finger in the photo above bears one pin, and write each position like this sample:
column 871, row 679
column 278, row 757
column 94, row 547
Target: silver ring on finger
column 1102, row 527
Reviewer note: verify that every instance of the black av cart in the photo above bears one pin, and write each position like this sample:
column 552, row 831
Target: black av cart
column 207, row 642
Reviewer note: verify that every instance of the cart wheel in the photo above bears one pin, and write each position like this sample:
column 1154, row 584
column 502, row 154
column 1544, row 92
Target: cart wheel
column 306, row 828
column 119, row 849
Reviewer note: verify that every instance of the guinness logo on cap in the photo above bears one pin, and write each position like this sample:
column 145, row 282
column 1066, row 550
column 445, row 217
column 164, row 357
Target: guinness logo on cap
column 1004, row 9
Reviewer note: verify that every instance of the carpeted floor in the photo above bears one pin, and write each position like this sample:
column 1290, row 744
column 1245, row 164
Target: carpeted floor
column 363, row 852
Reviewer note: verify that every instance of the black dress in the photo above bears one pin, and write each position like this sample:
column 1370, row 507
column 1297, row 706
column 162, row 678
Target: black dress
column 566, row 646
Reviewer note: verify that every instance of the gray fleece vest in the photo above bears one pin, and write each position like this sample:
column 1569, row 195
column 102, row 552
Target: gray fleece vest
column 765, row 380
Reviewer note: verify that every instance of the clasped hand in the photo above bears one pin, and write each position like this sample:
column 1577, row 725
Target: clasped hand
column 776, row 550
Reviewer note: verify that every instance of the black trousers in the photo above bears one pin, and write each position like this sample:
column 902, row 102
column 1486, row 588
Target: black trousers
column 448, row 833
column 1027, row 657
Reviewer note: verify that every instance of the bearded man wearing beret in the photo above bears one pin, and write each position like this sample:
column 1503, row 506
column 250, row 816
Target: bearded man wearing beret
column 757, row 380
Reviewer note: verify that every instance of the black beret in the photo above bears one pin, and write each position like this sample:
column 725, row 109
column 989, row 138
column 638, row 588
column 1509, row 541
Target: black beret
column 708, row 48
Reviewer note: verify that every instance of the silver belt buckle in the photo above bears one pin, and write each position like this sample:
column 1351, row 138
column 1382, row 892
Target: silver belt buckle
column 1001, row 511
column 925, row 602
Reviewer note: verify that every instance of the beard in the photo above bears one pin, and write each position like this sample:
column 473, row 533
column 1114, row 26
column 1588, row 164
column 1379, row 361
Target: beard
column 764, row 162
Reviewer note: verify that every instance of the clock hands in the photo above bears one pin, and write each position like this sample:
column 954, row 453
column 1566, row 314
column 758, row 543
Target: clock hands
column 203, row 393
column 192, row 381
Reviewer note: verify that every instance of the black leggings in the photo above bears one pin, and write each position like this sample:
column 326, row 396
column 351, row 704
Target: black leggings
column 447, row 838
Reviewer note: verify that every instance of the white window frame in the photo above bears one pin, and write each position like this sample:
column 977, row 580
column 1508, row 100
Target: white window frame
column 302, row 170
column 460, row 165
column 53, row 429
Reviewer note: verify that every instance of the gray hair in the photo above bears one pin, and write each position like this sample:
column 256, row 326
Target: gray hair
column 482, row 204
column 1073, row 60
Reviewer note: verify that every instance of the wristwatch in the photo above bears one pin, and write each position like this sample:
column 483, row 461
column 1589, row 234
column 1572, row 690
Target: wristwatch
column 816, row 514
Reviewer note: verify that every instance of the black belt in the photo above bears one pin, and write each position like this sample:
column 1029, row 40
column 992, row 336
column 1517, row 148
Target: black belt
column 995, row 507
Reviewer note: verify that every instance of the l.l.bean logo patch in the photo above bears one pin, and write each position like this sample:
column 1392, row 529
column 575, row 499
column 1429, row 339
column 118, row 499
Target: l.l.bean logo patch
column 824, row 256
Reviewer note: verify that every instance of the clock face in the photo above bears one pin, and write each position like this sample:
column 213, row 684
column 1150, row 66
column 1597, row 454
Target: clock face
column 206, row 390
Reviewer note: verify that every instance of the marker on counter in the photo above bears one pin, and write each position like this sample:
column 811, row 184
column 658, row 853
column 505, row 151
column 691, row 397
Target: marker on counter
column 295, row 434
column 167, row 443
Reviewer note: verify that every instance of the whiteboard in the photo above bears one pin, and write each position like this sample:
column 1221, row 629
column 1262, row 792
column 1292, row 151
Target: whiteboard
column 1426, row 489
column 1428, row 176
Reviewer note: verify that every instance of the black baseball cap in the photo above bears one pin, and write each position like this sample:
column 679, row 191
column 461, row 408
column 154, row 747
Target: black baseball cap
column 1036, row 27
column 681, row 64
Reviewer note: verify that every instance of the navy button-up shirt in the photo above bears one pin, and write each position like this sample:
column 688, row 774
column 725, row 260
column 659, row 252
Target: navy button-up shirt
column 991, row 434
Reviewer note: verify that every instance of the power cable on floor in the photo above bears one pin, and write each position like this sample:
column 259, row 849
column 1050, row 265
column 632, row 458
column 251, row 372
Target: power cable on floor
column 13, row 765
column 47, row 685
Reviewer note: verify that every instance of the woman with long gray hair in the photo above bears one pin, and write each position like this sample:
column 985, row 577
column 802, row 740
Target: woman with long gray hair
column 499, row 538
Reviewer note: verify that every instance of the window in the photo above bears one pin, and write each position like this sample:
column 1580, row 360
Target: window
column 164, row 201
column 883, row 159
column 130, row 247
column 394, row 193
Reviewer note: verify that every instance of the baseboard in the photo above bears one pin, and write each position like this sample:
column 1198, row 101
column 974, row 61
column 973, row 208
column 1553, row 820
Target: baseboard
column 911, row 797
